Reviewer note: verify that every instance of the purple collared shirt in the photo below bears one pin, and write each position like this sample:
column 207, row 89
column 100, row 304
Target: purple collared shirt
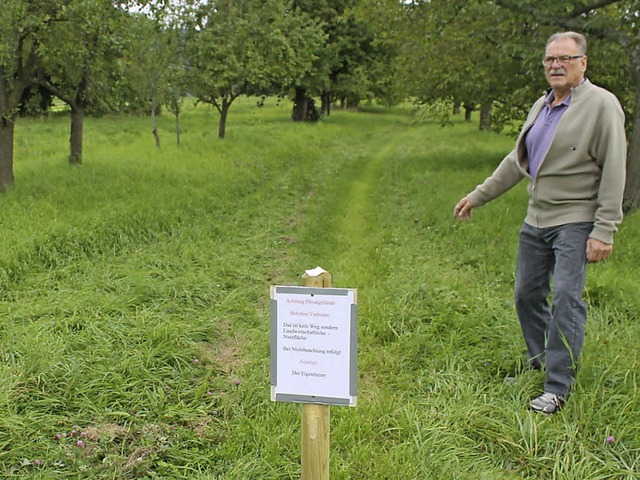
column 539, row 136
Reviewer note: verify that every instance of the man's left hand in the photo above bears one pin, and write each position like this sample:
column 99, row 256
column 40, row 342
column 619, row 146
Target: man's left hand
column 597, row 250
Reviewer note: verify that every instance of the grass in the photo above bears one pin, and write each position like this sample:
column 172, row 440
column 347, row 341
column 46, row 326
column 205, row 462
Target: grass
column 134, row 305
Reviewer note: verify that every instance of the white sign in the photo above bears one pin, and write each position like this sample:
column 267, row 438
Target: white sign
column 314, row 345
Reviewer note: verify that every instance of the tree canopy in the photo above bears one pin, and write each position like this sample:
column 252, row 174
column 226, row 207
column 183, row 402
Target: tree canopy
column 251, row 47
column 129, row 55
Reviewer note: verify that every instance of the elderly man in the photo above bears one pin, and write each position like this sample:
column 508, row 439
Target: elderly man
column 572, row 149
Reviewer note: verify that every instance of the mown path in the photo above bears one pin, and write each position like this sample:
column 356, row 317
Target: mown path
column 345, row 212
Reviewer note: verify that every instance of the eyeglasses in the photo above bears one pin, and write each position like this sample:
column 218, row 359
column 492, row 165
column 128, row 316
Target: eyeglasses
column 562, row 59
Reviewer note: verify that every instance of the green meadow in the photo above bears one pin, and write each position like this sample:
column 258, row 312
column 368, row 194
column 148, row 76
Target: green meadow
column 134, row 305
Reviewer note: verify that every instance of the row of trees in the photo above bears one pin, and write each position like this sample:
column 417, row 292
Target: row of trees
column 108, row 55
column 486, row 54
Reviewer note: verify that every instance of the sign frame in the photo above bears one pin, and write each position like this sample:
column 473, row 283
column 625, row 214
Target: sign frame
column 324, row 303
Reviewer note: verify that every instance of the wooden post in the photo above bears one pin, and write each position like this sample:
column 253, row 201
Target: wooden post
column 315, row 418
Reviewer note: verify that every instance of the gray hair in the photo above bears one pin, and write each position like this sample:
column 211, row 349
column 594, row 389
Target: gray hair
column 580, row 40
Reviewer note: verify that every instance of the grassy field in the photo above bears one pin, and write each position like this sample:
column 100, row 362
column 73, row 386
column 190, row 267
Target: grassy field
column 134, row 305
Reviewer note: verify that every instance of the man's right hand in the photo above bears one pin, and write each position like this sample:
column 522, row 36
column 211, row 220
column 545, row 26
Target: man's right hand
column 462, row 209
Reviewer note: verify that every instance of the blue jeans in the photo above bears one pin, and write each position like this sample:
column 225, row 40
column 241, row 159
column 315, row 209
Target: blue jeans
column 553, row 257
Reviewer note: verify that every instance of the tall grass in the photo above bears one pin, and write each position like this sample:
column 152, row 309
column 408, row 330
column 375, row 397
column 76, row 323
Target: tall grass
column 134, row 305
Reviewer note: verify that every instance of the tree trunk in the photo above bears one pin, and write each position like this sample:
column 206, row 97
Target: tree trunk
column 467, row 112
column 485, row 115
column 76, row 136
column 326, row 103
column 632, row 187
column 300, row 105
column 154, row 126
column 6, row 154
column 12, row 85
column 177, row 128
column 456, row 108
column 224, row 111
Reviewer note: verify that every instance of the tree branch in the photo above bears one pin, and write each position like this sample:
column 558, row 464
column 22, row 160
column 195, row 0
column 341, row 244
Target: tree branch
column 580, row 10
column 572, row 21
column 54, row 90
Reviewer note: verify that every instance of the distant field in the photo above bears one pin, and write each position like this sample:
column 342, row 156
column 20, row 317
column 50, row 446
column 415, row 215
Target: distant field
column 134, row 304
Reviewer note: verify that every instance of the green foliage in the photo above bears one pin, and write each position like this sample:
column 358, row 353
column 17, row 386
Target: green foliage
column 438, row 111
column 346, row 65
column 609, row 47
column 246, row 48
column 81, row 52
column 134, row 309
column 473, row 67
column 35, row 101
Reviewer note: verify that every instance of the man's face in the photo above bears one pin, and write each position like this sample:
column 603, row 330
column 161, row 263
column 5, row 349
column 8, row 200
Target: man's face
column 565, row 75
